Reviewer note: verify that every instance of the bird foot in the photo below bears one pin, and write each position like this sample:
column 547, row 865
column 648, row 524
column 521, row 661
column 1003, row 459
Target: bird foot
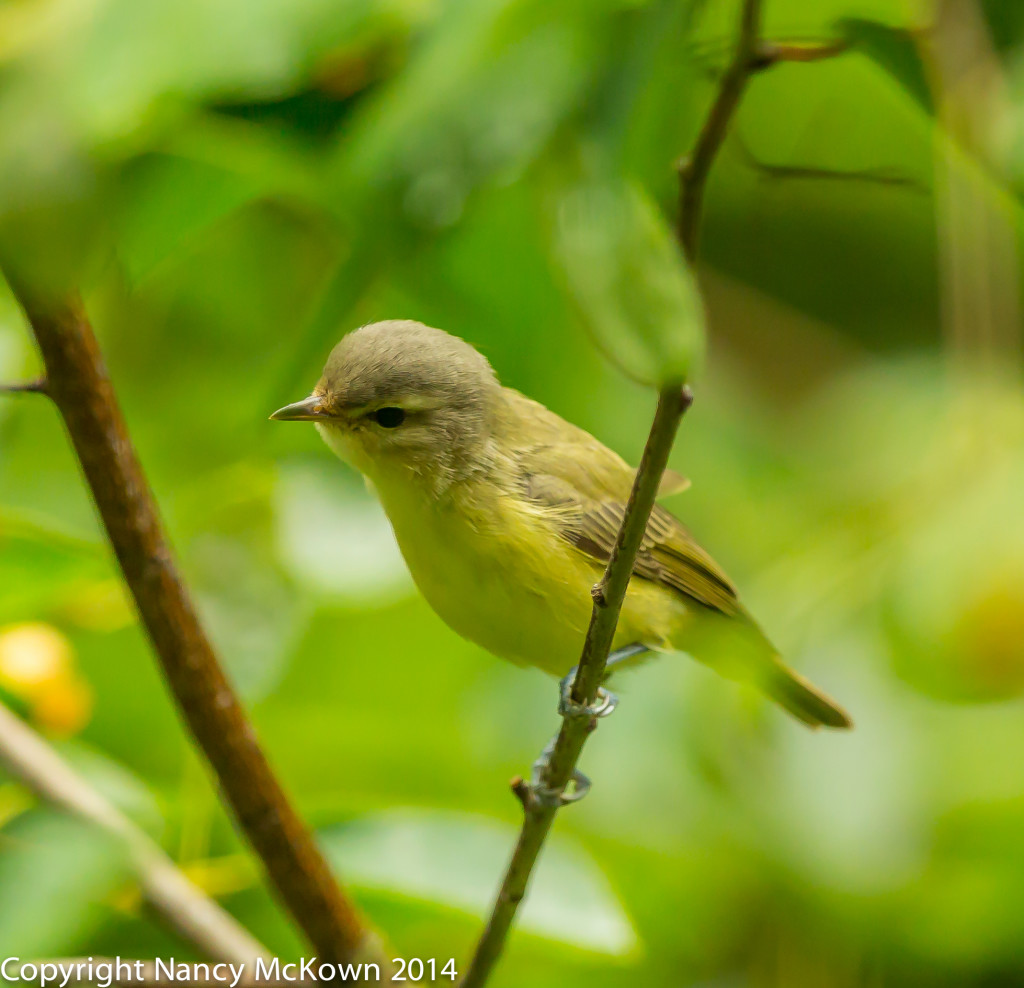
column 605, row 703
column 545, row 795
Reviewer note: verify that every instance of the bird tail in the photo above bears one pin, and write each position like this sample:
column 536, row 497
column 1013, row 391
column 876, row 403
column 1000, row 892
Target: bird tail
column 801, row 698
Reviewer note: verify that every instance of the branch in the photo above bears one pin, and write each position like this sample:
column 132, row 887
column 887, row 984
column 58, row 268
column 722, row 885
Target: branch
column 541, row 801
column 768, row 53
column 881, row 175
column 186, row 908
column 695, row 167
column 79, row 385
column 26, row 387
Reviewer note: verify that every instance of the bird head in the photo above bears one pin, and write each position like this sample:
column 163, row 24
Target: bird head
column 400, row 399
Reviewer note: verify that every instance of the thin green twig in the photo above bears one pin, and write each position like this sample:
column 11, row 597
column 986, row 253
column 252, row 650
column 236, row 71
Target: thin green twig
column 541, row 802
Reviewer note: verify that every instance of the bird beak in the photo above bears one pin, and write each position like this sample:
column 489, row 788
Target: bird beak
column 310, row 409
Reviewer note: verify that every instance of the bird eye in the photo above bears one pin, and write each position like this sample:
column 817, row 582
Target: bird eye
column 389, row 418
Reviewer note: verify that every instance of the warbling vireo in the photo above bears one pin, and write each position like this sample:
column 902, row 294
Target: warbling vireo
column 506, row 514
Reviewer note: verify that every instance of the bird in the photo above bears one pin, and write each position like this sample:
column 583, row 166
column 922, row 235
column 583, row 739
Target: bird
column 506, row 515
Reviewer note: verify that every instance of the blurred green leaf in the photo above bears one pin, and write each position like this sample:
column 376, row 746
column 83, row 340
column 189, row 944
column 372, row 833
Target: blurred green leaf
column 168, row 199
column 252, row 617
column 40, row 569
column 176, row 52
column 457, row 860
column 57, row 873
column 334, row 537
column 896, row 50
column 235, row 187
column 634, row 290
column 1006, row 22
column 13, row 347
column 459, row 114
column 113, row 780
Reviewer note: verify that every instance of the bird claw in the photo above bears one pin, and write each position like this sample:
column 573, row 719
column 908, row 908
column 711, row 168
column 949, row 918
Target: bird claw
column 547, row 796
column 605, row 703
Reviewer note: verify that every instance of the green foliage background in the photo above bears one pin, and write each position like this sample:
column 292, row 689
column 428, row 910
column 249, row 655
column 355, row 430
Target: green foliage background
column 237, row 184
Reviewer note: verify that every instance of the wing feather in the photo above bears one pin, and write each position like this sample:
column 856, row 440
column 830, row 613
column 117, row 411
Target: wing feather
column 584, row 486
column 668, row 554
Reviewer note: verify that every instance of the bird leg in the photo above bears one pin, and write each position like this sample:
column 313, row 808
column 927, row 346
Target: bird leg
column 606, row 700
column 545, row 794
column 567, row 707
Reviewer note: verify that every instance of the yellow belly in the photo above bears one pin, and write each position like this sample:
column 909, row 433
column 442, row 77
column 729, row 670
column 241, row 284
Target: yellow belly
column 498, row 574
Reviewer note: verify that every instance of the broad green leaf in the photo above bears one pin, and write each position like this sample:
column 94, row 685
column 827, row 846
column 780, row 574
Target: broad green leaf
column 895, row 50
column 41, row 566
column 56, row 874
column 251, row 614
column 333, row 536
column 460, row 112
column 165, row 200
column 458, row 860
column 634, row 291
column 120, row 67
column 1006, row 22
column 115, row 782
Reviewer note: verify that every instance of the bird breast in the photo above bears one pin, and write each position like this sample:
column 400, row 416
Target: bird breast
column 496, row 572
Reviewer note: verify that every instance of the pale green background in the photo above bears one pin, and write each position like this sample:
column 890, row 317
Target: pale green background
column 237, row 183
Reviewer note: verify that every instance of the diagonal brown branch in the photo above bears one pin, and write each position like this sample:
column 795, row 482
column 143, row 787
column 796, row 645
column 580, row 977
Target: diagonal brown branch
column 541, row 802
column 183, row 906
column 78, row 383
column 696, row 166
column 539, row 810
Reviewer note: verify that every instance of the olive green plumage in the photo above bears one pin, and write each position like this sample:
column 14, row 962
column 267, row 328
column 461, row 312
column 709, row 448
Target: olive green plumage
column 506, row 514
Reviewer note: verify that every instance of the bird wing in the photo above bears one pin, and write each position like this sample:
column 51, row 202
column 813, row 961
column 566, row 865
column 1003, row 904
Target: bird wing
column 573, row 455
column 668, row 554
column 583, row 487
